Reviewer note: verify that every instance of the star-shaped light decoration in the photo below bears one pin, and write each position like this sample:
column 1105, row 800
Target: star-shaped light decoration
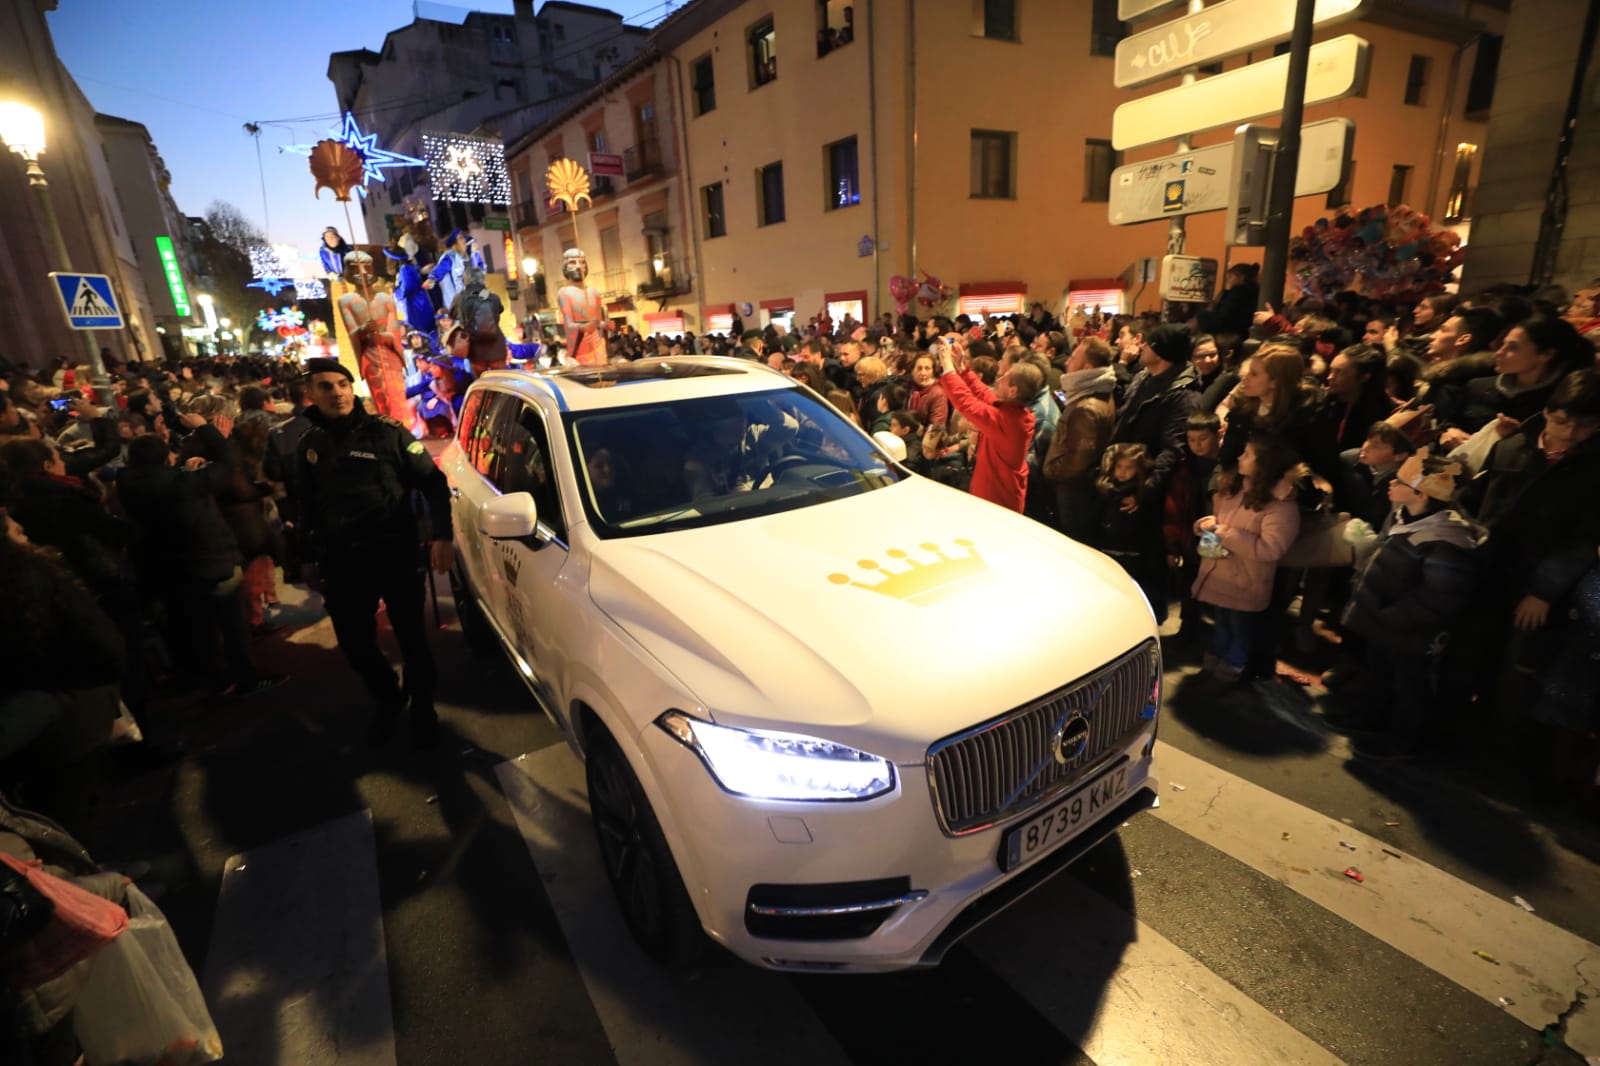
column 463, row 164
column 374, row 160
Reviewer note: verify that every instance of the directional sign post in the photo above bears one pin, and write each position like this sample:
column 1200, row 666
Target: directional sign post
column 88, row 300
column 1218, row 32
column 1192, row 183
column 1338, row 68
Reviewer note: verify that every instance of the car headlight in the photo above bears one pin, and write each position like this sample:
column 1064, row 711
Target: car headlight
column 780, row 766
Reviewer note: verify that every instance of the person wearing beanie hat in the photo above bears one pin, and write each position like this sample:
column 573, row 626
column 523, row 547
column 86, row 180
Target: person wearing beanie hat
column 355, row 476
column 1409, row 594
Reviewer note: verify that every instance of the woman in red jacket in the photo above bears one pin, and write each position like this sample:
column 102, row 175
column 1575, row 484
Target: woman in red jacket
column 1002, row 419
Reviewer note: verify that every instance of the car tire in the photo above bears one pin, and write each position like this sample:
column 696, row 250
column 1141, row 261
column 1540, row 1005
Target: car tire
column 474, row 626
column 638, row 863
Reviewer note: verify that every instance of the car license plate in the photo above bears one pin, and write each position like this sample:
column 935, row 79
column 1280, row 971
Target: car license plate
column 1039, row 834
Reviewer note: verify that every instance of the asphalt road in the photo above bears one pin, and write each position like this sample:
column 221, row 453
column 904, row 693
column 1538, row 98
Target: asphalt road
column 350, row 906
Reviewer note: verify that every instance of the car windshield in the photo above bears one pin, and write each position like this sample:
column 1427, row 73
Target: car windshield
column 715, row 459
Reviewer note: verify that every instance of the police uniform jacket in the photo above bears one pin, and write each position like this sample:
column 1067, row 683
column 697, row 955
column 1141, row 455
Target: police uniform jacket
column 355, row 477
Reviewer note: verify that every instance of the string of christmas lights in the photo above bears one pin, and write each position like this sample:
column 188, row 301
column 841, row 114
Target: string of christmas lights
column 467, row 169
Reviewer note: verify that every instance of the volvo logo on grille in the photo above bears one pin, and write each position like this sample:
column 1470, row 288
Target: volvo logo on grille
column 1071, row 739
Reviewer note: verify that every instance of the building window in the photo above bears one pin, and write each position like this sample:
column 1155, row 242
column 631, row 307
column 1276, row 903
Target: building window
column 703, row 80
column 1399, row 178
column 711, row 208
column 1485, row 67
column 1105, row 29
column 836, row 25
column 1000, row 20
column 844, row 182
column 993, row 172
column 763, row 53
column 1416, row 80
column 769, row 184
column 1099, row 160
column 1457, row 207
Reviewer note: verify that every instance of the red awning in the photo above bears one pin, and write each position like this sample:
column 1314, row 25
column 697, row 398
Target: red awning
column 993, row 288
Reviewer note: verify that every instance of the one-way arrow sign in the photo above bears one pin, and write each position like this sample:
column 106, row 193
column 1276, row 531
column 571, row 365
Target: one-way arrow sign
column 1217, row 32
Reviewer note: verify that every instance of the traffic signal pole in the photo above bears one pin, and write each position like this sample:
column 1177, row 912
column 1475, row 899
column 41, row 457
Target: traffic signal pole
column 1286, row 161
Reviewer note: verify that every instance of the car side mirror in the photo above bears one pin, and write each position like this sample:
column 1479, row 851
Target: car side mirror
column 509, row 517
column 895, row 446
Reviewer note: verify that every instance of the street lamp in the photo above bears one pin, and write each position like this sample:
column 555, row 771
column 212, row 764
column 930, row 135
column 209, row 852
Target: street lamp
column 530, row 267
column 22, row 129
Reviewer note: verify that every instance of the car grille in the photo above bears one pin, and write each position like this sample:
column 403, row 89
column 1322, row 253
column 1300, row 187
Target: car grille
column 1007, row 766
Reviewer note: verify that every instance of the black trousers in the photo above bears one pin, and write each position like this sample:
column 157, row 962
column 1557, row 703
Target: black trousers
column 353, row 583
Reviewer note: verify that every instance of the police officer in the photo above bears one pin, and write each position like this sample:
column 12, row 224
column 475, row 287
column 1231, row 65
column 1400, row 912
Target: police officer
column 356, row 473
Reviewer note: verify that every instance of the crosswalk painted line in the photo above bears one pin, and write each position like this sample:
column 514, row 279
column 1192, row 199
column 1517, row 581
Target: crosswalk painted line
column 297, row 971
column 1441, row 921
column 1152, row 1001
column 728, row 1013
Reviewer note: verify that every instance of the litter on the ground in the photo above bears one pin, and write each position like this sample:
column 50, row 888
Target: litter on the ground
column 1355, row 875
column 1346, row 845
column 1177, row 787
column 1286, row 836
column 1392, row 825
column 1504, row 1002
column 1485, row 956
column 1524, row 904
column 1138, row 873
column 433, row 799
column 1347, row 821
column 1391, row 851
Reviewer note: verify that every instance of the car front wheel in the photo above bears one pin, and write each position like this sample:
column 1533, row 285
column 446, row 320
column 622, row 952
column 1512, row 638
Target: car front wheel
column 638, row 863
column 474, row 627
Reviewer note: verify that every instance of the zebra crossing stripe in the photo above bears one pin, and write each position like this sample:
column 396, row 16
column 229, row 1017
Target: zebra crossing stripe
column 1537, row 969
column 727, row 1012
column 297, row 972
column 1124, row 993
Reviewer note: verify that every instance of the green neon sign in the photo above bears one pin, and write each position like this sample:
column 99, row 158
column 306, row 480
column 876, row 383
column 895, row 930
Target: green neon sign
column 174, row 274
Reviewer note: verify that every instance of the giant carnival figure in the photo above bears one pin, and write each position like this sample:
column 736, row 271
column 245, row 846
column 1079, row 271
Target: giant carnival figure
column 582, row 312
column 375, row 334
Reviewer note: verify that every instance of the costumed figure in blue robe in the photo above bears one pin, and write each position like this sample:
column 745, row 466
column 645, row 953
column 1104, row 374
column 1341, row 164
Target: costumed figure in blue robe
column 416, row 306
column 450, row 272
column 334, row 249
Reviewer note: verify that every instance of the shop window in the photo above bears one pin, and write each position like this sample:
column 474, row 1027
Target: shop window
column 1000, row 20
column 703, row 81
column 1099, row 160
column 993, row 165
column 1457, row 207
column 769, row 184
column 836, row 25
column 844, row 185
column 711, row 208
column 1399, row 179
column 1416, row 80
column 1105, row 29
column 763, row 49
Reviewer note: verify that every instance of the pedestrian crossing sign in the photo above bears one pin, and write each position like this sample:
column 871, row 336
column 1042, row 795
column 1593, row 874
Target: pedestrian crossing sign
column 88, row 300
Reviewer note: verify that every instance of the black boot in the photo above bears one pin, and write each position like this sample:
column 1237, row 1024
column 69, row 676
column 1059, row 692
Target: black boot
column 384, row 722
column 424, row 723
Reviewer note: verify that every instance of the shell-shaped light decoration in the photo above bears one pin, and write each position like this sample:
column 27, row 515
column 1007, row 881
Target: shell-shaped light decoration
column 568, row 183
column 336, row 166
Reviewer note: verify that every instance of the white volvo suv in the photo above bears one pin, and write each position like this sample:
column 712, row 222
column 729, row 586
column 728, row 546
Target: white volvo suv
column 832, row 713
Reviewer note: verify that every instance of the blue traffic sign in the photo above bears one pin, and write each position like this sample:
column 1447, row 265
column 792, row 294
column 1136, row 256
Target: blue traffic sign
column 88, row 300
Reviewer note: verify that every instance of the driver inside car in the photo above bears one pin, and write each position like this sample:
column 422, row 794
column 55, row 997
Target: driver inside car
column 735, row 452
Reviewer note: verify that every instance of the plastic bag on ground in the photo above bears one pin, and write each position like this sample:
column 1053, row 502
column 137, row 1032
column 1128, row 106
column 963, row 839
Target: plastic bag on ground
column 141, row 1004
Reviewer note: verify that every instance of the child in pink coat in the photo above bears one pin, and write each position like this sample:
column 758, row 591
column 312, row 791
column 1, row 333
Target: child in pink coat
column 1254, row 518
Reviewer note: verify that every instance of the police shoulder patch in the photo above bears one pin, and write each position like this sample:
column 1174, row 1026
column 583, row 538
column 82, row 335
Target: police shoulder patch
column 415, row 447
column 393, row 423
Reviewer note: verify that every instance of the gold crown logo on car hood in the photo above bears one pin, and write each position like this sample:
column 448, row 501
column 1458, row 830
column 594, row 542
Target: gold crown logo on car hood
column 923, row 583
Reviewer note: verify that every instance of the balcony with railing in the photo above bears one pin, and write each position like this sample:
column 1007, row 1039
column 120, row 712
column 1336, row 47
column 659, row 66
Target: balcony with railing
column 526, row 213
column 602, row 186
column 660, row 278
column 643, row 159
column 613, row 283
